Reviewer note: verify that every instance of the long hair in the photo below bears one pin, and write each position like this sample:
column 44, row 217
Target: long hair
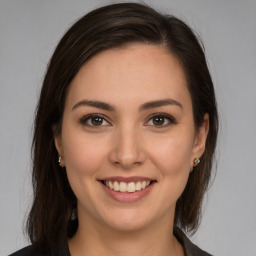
column 49, row 222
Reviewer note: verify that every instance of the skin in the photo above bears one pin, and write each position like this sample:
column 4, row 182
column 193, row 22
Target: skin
column 129, row 143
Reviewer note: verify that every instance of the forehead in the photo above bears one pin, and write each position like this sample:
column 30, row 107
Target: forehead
column 137, row 72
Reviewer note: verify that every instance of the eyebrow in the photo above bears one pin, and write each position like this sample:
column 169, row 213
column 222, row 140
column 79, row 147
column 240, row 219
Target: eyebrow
column 145, row 106
column 159, row 103
column 93, row 103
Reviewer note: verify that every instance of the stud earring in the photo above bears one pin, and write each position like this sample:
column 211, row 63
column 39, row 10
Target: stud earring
column 196, row 162
column 59, row 159
column 74, row 214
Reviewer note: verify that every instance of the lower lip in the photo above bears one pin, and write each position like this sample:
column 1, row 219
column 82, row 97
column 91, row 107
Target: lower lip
column 128, row 196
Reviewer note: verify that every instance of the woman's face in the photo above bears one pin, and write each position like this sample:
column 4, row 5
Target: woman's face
column 128, row 124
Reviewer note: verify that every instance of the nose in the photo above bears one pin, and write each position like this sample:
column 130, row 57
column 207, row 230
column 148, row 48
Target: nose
column 127, row 149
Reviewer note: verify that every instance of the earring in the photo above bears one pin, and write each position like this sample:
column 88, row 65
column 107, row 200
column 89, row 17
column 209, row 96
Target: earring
column 196, row 162
column 59, row 159
column 74, row 214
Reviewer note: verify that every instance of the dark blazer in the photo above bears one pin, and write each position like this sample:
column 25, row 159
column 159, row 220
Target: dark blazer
column 189, row 248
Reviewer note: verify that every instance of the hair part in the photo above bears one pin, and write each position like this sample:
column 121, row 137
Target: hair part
column 113, row 26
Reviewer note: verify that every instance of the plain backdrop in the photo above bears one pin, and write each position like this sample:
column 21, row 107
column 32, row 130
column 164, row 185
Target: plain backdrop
column 29, row 32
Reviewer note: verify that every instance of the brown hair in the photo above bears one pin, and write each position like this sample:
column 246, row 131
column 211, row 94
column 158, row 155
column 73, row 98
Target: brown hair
column 49, row 222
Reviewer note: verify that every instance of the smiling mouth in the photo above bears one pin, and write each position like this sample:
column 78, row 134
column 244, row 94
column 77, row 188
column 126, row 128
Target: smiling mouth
column 127, row 187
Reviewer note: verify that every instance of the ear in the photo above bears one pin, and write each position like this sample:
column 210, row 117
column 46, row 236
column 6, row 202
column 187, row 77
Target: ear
column 58, row 144
column 200, row 138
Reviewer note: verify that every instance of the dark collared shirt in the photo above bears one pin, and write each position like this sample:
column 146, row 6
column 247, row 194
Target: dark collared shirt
column 189, row 248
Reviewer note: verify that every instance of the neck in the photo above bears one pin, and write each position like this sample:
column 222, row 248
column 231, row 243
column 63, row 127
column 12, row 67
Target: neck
column 96, row 239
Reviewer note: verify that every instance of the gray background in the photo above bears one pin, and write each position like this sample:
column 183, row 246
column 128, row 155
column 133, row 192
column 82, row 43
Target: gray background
column 29, row 31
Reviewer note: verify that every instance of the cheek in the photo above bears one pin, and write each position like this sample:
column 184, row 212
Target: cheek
column 172, row 154
column 83, row 154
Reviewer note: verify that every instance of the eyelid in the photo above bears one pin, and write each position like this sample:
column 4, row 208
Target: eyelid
column 170, row 118
column 84, row 119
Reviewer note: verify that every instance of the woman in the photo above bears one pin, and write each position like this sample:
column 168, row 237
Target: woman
column 125, row 133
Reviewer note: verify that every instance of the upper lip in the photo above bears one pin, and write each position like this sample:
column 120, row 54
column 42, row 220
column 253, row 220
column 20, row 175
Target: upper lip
column 127, row 179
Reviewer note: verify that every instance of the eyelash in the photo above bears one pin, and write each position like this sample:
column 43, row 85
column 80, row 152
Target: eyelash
column 169, row 119
column 84, row 120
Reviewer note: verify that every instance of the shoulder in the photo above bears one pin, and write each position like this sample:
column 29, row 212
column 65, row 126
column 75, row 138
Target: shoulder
column 32, row 250
column 27, row 251
column 189, row 248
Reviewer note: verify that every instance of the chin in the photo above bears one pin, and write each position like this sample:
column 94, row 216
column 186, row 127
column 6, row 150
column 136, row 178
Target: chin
column 127, row 226
column 129, row 221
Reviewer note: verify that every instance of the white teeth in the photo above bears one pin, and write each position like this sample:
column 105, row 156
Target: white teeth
column 138, row 186
column 130, row 187
column 110, row 185
column 122, row 187
column 116, row 186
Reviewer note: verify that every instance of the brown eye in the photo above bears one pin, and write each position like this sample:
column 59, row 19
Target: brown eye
column 94, row 120
column 97, row 121
column 158, row 120
column 161, row 120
